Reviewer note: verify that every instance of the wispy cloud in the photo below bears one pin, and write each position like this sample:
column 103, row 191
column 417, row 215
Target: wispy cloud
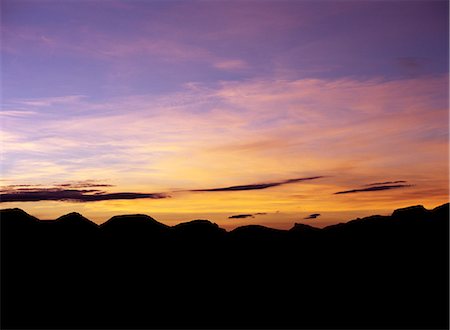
column 50, row 101
column 258, row 185
column 83, row 184
column 384, row 183
column 374, row 188
column 98, row 45
column 15, row 186
column 16, row 113
column 230, row 64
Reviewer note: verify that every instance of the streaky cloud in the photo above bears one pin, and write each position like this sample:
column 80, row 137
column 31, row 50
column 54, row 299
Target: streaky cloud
column 374, row 188
column 83, row 185
column 384, row 183
column 91, row 195
column 13, row 186
column 258, row 185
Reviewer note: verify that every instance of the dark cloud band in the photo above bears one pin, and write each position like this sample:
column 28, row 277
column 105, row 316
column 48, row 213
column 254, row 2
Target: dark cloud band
column 259, row 185
column 313, row 216
column 384, row 183
column 241, row 216
column 35, row 195
column 374, row 188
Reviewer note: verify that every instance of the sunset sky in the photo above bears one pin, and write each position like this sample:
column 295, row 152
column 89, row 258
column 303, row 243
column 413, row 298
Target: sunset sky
column 240, row 112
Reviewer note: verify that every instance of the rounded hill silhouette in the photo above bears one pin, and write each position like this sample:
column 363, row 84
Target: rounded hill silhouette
column 75, row 219
column 133, row 223
column 198, row 230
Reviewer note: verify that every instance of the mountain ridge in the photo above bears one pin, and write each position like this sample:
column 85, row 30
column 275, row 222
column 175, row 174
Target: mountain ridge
column 381, row 272
column 410, row 212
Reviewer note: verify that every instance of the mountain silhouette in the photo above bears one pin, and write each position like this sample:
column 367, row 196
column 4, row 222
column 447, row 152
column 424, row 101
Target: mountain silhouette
column 133, row 222
column 134, row 226
column 411, row 212
column 69, row 227
column 204, row 226
column 256, row 232
column 17, row 227
column 302, row 228
column 198, row 230
column 75, row 219
column 16, row 218
column 135, row 272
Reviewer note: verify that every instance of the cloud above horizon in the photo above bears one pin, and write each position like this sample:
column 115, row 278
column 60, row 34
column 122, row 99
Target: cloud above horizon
column 75, row 195
column 257, row 186
column 312, row 216
column 83, row 184
column 241, row 216
column 385, row 183
column 247, row 215
column 374, row 188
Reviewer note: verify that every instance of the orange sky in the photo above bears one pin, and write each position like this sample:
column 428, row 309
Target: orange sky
column 233, row 116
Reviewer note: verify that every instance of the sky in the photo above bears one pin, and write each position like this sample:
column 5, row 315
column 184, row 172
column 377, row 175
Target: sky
column 240, row 112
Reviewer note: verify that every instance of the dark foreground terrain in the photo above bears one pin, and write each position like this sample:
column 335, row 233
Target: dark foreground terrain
column 134, row 272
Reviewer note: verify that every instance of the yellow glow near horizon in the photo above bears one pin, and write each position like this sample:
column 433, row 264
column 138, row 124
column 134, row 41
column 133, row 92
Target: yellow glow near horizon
column 251, row 133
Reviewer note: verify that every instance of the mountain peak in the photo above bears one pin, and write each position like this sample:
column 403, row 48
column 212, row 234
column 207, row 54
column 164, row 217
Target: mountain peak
column 196, row 223
column 256, row 232
column 132, row 221
column 75, row 218
column 301, row 227
column 199, row 229
column 16, row 215
column 410, row 212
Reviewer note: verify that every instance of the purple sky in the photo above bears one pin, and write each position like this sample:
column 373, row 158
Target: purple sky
column 155, row 97
column 111, row 48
